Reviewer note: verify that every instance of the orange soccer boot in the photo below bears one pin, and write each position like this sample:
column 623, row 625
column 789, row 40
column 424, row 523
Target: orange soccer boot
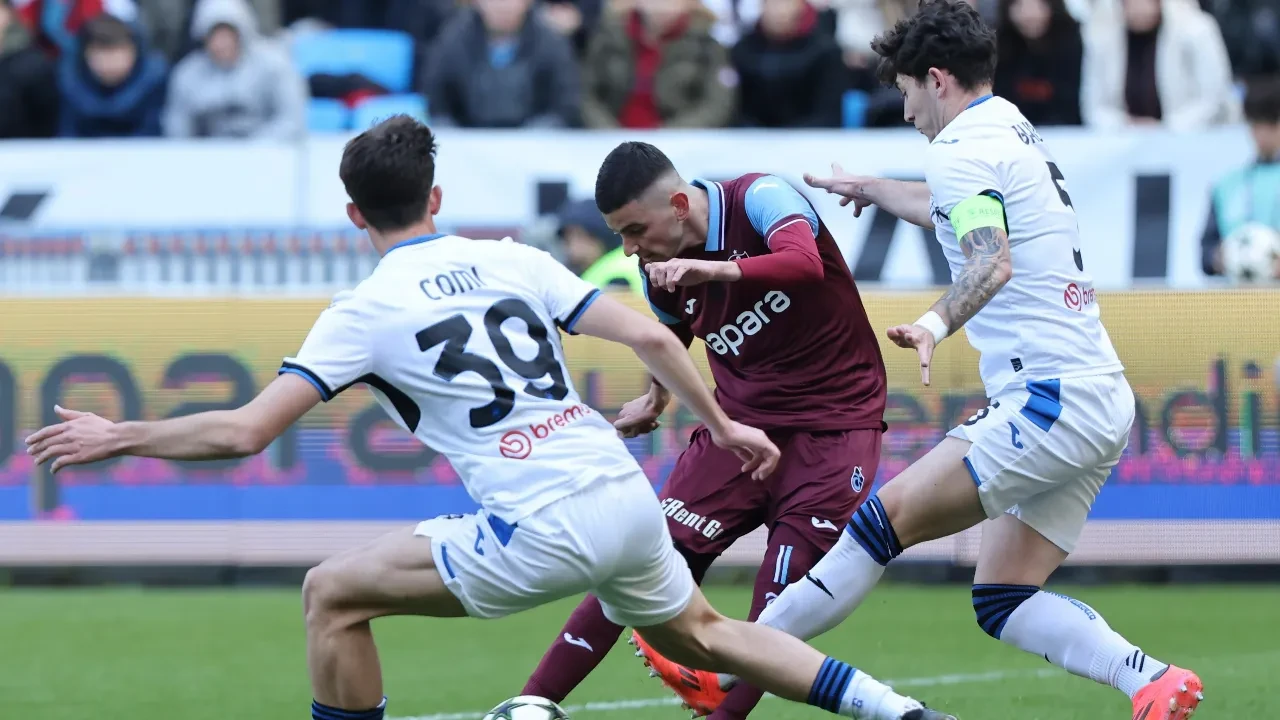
column 1173, row 695
column 700, row 690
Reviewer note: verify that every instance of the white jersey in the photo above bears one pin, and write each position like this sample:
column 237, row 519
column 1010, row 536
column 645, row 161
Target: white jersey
column 457, row 340
column 1044, row 324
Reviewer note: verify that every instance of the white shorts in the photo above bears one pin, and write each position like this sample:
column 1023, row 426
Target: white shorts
column 609, row 538
column 1042, row 452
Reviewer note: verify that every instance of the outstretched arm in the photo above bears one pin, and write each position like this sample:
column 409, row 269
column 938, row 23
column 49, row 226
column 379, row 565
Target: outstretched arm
column 905, row 199
column 335, row 355
column 84, row 437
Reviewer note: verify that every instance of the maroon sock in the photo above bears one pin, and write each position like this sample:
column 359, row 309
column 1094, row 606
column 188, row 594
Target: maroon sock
column 790, row 555
column 585, row 640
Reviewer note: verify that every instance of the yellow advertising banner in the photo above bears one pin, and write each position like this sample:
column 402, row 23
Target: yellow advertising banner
column 1203, row 364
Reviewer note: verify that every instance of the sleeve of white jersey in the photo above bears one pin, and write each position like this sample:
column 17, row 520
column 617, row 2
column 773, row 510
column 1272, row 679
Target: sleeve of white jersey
column 565, row 295
column 954, row 177
column 337, row 351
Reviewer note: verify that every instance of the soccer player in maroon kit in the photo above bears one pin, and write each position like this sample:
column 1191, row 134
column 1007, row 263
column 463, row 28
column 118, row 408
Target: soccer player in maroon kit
column 747, row 266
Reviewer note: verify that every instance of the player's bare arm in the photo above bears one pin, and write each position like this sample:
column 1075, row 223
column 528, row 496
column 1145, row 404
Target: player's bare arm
column 668, row 359
column 85, row 437
column 904, row 199
column 987, row 269
column 980, row 225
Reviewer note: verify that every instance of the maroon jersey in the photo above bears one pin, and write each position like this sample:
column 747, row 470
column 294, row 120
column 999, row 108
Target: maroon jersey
column 784, row 355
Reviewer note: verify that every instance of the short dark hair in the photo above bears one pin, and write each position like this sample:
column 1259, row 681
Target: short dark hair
column 389, row 170
column 628, row 171
column 945, row 34
column 106, row 31
column 1262, row 100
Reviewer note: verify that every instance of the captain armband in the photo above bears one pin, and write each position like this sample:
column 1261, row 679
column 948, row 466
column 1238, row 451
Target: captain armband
column 979, row 211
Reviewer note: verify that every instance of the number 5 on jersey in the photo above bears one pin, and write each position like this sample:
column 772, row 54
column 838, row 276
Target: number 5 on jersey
column 455, row 331
column 1060, row 183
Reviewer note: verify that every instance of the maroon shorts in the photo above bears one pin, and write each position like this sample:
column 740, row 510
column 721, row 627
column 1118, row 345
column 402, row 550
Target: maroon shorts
column 820, row 481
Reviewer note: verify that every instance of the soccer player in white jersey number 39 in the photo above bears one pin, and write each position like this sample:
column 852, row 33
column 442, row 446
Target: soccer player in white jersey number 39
column 1060, row 410
column 456, row 339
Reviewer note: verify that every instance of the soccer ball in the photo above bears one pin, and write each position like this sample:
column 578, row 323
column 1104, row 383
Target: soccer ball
column 1250, row 255
column 527, row 707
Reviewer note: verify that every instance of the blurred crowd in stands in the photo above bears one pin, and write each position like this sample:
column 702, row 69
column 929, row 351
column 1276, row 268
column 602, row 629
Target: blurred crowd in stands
column 236, row 68
column 278, row 69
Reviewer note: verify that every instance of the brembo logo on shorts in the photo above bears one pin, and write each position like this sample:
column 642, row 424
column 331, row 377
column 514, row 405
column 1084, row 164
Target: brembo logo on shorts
column 729, row 338
column 675, row 510
column 518, row 444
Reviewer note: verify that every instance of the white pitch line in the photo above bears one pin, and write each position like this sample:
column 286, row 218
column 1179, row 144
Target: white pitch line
column 641, row 703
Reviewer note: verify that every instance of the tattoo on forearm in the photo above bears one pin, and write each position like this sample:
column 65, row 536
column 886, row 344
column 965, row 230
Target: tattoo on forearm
column 984, row 273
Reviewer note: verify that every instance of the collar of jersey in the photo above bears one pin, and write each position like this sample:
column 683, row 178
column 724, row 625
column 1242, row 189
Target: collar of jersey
column 974, row 104
column 979, row 101
column 414, row 241
column 715, row 201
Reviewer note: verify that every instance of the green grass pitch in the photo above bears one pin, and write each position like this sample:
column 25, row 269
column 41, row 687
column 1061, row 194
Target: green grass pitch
column 217, row 655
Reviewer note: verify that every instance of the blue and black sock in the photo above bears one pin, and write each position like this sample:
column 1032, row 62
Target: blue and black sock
column 830, row 686
column 870, row 527
column 844, row 690
column 993, row 604
column 320, row 711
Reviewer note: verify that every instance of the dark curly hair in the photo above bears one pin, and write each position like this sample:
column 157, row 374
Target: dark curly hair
column 944, row 34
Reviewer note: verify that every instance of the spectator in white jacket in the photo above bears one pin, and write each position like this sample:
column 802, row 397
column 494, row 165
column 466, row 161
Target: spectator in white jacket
column 1150, row 62
column 238, row 84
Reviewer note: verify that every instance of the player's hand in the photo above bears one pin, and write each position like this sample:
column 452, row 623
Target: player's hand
column 683, row 272
column 759, row 454
column 81, row 439
column 850, row 188
column 915, row 336
column 638, row 417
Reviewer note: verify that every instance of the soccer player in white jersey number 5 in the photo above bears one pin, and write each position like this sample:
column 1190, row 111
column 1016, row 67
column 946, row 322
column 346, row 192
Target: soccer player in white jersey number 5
column 1060, row 408
column 456, row 339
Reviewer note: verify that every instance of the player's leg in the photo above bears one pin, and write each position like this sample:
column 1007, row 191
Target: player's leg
column 1022, row 548
column 700, row 637
column 933, row 497
column 650, row 588
column 707, row 509
column 394, row 575
column 820, row 484
column 988, row 464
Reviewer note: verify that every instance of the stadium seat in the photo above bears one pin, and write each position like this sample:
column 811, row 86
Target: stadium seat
column 384, row 56
column 379, row 107
column 855, row 108
column 327, row 115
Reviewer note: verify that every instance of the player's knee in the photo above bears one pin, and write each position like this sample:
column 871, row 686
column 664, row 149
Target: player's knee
column 321, row 593
column 994, row 604
column 872, row 528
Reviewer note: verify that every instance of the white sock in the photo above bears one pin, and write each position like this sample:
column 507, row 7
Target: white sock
column 827, row 594
column 1073, row 636
column 868, row 699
